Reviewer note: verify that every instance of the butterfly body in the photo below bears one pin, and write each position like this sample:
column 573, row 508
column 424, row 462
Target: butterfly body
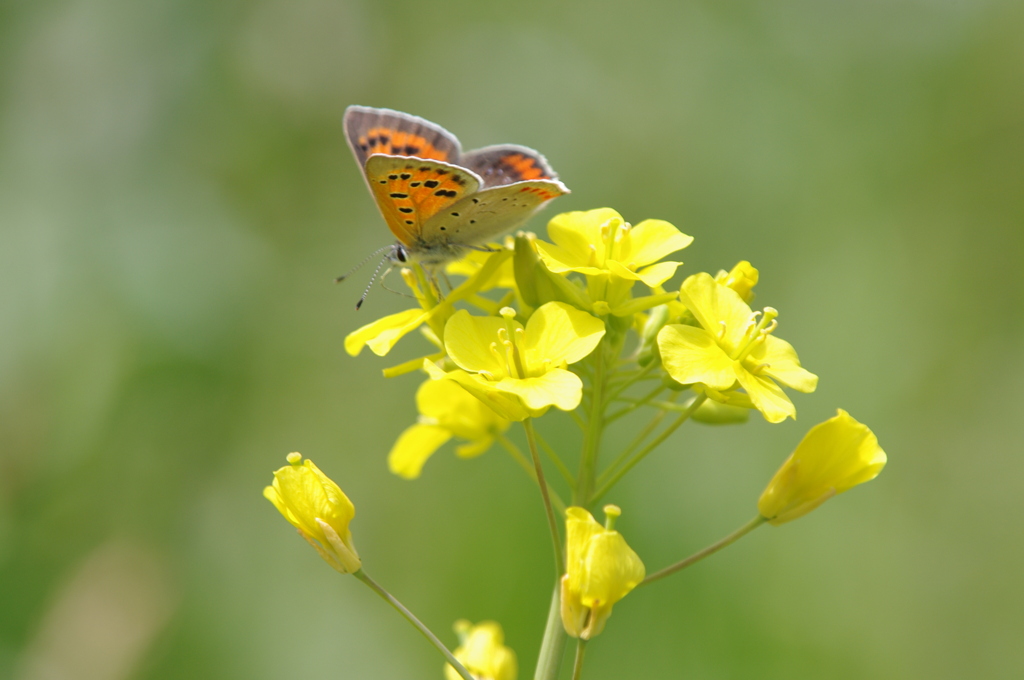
column 438, row 201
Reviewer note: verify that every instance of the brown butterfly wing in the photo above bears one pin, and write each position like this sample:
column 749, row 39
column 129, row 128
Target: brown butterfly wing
column 507, row 163
column 371, row 131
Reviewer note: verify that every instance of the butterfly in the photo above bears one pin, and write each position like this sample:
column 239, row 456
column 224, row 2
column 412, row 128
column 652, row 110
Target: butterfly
column 436, row 200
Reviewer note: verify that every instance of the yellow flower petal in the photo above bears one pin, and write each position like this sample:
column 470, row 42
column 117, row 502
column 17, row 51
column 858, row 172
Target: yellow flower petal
column 783, row 364
column 652, row 240
column 612, row 569
column 559, row 334
column 469, row 341
column 445, row 403
column 506, row 405
column 560, row 260
column 718, row 309
column 834, row 456
column 767, row 397
column 691, row 355
column 381, row 335
column 446, row 410
column 557, row 387
column 474, row 448
column 413, row 447
column 657, row 274
column 578, row 236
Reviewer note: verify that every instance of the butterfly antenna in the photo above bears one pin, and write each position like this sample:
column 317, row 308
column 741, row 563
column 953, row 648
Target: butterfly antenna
column 370, row 284
column 360, row 265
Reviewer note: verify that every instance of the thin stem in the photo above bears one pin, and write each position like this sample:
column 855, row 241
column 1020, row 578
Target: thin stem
column 577, row 668
column 671, row 406
column 637, row 377
column 635, row 404
column 592, row 434
column 518, row 457
column 633, row 445
column 683, row 417
column 411, row 618
column 542, row 483
column 427, row 286
column 710, row 550
column 552, row 647
column 553, row 456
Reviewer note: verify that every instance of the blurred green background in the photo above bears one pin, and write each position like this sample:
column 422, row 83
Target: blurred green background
column 176, row 195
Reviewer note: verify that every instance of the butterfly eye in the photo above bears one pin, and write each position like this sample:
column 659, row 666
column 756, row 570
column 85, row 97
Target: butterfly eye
column 400, row 254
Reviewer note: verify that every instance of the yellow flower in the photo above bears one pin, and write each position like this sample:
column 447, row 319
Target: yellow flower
column 742, row 279
column 446, row 411
column 483, row 652
column 318, row 508
column 834, row 456
column 599, row 241
column 600, row 570
column 732, row 349
column 613, row 255
column 520, row 372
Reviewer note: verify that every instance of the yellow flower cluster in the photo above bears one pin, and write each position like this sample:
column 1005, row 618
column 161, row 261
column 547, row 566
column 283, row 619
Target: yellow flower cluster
column 558, row 320
column 519, row 363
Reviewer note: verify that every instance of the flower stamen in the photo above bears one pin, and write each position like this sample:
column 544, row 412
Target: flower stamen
column 757, row 332
column 509, row 335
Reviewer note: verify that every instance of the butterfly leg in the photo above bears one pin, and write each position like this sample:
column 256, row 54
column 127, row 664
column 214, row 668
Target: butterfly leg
column 392, row 290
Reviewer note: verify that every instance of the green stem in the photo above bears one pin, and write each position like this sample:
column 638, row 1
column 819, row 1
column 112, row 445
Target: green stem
column 518, row 456
column 577, row 668
column 553, row 456
column 683, row 417
column 633, row 445
column 710, row 550
column 592, row 435
column 671, row 406
column 542, row 483
column 632, row 380
column 411, row 618
column 636, row 403
column 427, row 286
column 552, row 647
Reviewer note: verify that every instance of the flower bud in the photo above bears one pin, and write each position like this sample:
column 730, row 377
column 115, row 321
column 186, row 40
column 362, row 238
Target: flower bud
column 537, row 284
column 318, row 508
column 600, row 570
column 834, row 456
column 713, row 412
column 483, row 652
column 742, row 279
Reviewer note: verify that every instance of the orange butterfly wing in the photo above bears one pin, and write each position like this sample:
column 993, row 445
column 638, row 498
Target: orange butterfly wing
column 410, row 191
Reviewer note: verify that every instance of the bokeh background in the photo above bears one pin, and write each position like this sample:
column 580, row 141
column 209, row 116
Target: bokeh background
column 176, row 196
